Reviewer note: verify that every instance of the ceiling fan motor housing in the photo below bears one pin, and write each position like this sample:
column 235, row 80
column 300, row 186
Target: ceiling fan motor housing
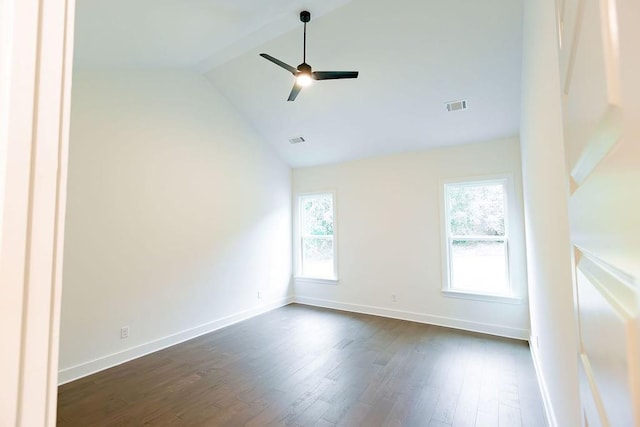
column 304, row 68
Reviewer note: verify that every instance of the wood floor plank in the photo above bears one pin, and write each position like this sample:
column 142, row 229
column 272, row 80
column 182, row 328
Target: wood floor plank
column 509, row 416
column 306, row 366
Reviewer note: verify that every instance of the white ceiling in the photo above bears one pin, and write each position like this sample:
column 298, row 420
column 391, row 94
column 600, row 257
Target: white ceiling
column 197, row 34
column 413, row 56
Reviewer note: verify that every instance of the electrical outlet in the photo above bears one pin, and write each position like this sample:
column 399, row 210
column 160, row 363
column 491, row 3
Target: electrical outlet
column 259, row 294
column 394, row 298
column 124, row 332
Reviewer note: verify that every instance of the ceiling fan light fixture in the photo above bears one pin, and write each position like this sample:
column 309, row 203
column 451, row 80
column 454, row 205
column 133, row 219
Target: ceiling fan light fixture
column 304, row 79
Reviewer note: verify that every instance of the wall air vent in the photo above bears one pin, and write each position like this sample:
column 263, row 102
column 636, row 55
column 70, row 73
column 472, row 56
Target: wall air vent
column 457, row 105
column 297, row 140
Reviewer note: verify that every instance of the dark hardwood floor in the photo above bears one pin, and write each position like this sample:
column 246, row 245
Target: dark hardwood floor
column 307, row 366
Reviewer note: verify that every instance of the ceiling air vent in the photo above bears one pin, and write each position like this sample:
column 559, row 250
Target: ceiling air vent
column 297, row 140
column 457, row 105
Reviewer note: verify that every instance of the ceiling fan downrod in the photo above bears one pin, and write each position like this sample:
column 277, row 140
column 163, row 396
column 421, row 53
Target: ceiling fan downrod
column 305, row 16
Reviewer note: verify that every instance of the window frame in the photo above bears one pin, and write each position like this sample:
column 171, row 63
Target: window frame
column 506, row 180
column 298, row 237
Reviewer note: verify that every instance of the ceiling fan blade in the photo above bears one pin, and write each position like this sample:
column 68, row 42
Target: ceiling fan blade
column 332, row 75
column 289, row 68
column 294, row 92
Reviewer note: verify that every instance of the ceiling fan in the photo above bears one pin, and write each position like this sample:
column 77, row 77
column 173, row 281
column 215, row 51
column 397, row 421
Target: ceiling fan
column 303, row 73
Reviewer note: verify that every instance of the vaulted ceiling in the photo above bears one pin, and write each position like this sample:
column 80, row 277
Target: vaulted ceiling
column 413, row 56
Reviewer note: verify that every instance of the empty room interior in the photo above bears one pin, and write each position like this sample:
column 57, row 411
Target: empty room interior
column 351, row 213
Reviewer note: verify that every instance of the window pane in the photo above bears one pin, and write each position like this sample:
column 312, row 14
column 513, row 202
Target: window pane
column 476, row 209
column 479, row 266
column 317, row 215
column 317, row 257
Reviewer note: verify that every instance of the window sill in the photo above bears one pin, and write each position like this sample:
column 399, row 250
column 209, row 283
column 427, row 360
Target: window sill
column 315, row 280
column 506, row 299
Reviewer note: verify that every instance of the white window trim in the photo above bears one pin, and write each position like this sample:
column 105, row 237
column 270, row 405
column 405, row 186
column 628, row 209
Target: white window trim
column 316, row 280
column 507, row 299
column 297, row 242
column 505, row 179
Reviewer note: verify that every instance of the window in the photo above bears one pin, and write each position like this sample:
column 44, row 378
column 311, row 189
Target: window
column 316, row 237
column 477, row 238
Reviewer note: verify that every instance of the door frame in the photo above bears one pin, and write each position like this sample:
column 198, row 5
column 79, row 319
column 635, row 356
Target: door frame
column 36, row 58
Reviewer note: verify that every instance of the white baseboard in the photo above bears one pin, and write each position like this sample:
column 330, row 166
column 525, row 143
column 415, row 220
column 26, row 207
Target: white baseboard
column 87, row 368
column 449, row 322
column 546, row 400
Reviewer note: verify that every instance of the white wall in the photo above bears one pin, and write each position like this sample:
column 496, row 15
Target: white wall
column 177, row 216
column 545, row 190
column 389, row 241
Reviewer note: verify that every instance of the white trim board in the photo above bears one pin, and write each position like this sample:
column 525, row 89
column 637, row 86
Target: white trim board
column 546, row 400
column 91, row 367
column 449, row 322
